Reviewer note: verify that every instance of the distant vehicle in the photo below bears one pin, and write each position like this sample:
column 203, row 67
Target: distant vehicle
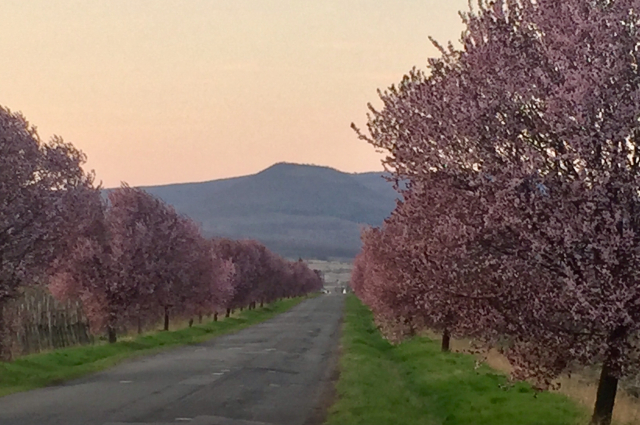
column 324, row 291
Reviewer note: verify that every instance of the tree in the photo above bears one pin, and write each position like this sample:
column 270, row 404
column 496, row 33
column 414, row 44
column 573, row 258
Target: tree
column 107, row 269
column 213, row 278
column 260, row 275
column 90, row 274
column 304, row 280
column 408, row 273
column 382, row 284
column 241, row 254
column 537, row 118
column 138, row 259
column 42, row 186
column 174, row 257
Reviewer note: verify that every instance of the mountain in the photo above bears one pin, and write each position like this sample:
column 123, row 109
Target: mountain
column 296, row 210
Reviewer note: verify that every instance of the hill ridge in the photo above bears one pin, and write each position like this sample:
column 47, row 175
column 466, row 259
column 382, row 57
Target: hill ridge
column 298, row 210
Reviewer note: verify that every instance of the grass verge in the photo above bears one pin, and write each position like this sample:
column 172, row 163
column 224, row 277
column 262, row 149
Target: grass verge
column 581, row 386
column 414, row 383
column 39, row 370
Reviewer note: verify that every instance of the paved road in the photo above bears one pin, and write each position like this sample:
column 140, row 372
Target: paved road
column 271, row 373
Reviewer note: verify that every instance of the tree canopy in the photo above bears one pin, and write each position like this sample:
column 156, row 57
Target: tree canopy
column 521, row 218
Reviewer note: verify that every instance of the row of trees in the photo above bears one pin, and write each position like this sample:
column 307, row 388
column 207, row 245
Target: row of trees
column 138, row 257
column 42, row 192
column 520, row 220
column 131, row 259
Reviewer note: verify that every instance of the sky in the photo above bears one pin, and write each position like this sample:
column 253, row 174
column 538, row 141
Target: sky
column 167, row 91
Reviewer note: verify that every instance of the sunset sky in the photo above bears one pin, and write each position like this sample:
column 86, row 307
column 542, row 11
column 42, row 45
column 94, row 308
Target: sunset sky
column 163, row 91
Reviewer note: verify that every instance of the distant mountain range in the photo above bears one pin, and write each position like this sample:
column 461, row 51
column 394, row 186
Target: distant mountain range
column 297, row 210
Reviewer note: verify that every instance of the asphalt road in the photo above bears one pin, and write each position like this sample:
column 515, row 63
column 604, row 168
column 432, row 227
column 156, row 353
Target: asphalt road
column 273, row 373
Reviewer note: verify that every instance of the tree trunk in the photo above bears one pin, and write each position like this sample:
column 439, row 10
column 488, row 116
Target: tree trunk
column 111, row 333
column 200, row 318
column 215, row 316
column 139, row 324
column 166, row 318
column 446, row 341
column 261, row 303
column 5, row 351
column 411, row 332
column 606, row 397
column 191, row 322
column 228, row 313
column 112, row 327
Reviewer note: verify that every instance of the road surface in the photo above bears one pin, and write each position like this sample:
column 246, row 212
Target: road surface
column 272, row 373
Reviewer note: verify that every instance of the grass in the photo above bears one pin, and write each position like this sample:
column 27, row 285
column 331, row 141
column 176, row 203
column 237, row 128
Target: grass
column 414, row 383
column 44, row 369
column 581, row 386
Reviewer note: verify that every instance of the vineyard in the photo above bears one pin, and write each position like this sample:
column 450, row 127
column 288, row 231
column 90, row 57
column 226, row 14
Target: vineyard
column 39, row 323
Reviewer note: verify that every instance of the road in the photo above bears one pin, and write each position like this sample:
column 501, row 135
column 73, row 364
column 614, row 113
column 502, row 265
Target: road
column 274, row 373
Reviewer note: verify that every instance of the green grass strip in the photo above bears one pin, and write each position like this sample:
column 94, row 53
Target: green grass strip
column 414, row 383
column 39, row 370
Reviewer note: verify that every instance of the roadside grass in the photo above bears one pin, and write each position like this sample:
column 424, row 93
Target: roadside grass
column 54, row 367
column 581, row 386
column 414, row 383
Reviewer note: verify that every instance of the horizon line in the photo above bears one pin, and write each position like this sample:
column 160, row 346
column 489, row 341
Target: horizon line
column 246, row 175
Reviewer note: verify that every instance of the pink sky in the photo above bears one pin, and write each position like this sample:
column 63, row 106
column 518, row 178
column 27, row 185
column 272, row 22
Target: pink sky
column 163, row 91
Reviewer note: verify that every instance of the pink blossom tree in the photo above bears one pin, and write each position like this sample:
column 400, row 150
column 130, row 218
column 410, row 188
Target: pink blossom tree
column 304, row 279
column 108, row 269
column 420, row 269
column 142, row 259
column 42, row 186
column 237, row 253
column 213, row 279
column 262, row 276
column 166, row 254
column 172, row 263
column 537, row 119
